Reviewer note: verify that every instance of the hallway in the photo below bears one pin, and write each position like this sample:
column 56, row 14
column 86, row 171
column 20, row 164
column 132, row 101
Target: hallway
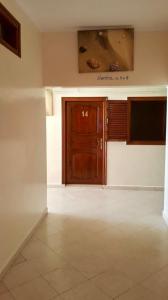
column 95, row 244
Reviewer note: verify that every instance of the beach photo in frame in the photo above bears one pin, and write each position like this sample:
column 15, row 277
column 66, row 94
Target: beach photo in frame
column 106, row 50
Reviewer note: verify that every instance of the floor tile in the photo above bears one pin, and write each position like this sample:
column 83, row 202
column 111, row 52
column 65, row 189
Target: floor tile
column 86, row 291
column 64, row 279
column 47, row 229
column 140, row 267
column 19, row 274
column 36, row 249
column 19, row 259
column 92, row 265
column 158, row 282
column 112, row 283
column 58, row 242
column 94, row 244
column 48, row 263
column 37, row 289
column 139, row 293
column 3, row 288
column 6, row 296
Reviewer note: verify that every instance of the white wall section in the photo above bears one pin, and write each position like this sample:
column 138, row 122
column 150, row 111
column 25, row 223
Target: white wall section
column 127, row 165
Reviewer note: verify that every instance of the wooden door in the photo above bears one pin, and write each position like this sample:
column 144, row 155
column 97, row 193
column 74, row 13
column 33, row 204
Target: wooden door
column 84, row 145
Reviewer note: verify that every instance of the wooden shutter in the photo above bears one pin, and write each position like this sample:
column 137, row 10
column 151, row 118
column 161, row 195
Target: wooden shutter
column 117, row 120
column 10, row 31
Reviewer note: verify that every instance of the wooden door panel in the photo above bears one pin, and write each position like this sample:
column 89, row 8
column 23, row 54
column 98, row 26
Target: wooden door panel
column 84, row 119
column 84, row 135
column 84, row 166
column 78, row 142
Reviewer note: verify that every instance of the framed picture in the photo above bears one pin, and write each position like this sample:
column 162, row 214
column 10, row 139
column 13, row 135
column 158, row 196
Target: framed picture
column 107, row 50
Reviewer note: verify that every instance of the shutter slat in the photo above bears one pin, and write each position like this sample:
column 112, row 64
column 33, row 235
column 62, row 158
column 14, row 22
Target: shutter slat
column 117, row 120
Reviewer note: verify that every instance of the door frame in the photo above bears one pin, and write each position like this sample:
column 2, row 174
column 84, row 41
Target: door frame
column 65, row 100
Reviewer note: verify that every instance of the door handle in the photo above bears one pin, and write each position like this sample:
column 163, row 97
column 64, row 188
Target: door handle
column 100, row 143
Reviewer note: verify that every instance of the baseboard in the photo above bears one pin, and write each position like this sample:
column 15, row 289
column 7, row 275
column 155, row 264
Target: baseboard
column 54, row 186
column 13, row 256
column 113, row 187
column 134, row 187
column 165, row 217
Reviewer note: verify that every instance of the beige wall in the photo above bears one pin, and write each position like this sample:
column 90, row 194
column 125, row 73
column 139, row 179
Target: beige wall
column 60, row 54
column 22, row 139
column 127, row 165
column 165, row 210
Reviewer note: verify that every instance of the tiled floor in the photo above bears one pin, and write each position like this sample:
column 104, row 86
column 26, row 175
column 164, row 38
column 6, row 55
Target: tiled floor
column 95, row 244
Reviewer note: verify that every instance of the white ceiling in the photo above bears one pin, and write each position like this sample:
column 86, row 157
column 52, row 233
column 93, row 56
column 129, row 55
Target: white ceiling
column 56, row 15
